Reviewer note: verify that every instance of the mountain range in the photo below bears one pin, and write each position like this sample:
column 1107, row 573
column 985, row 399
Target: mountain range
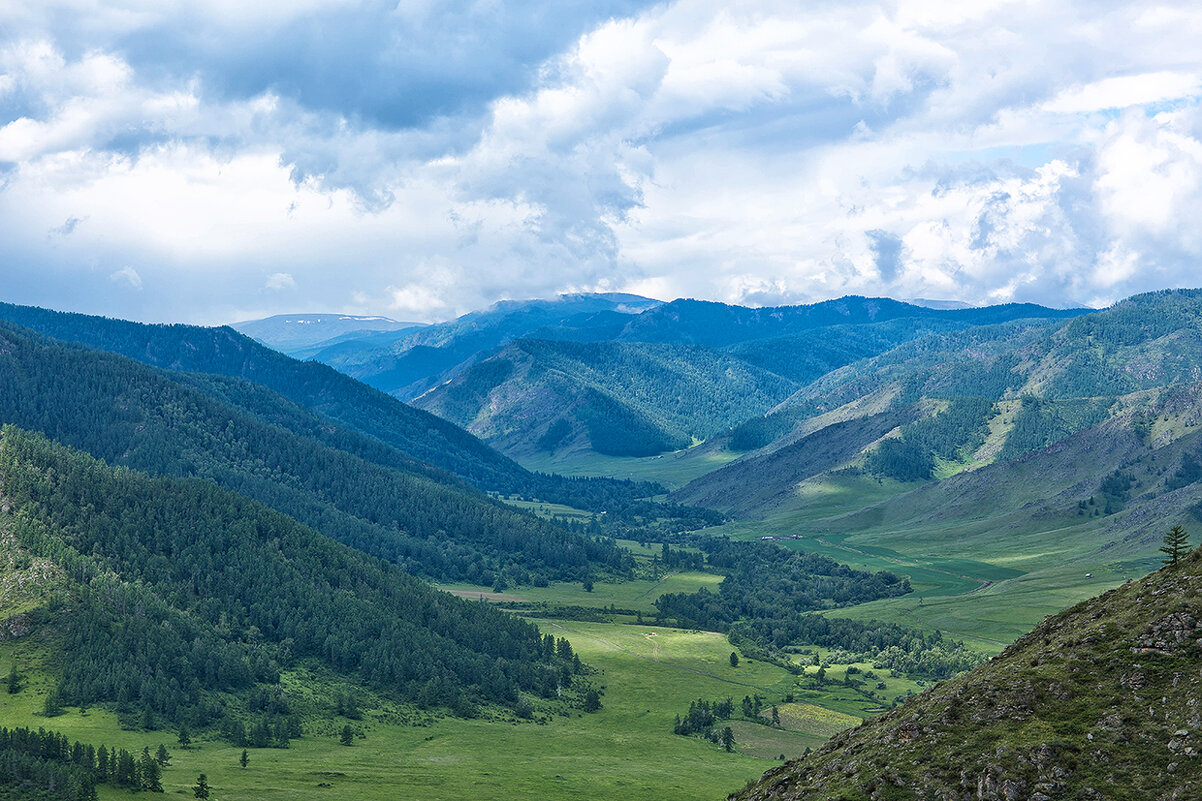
column 194, row 519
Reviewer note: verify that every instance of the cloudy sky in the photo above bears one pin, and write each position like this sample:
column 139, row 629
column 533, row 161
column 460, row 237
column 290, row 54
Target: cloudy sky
column 223, row 160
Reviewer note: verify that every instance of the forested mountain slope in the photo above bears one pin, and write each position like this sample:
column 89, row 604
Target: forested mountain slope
column 133, row 415
column 617, row 398
column 181, row 602
column 417, row 435
column 1099, row 702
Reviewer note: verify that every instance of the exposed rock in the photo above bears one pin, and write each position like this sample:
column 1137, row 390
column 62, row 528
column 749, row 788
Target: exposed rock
column 15, row 627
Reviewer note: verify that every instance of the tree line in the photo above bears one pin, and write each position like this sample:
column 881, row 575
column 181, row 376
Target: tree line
column 46, row 764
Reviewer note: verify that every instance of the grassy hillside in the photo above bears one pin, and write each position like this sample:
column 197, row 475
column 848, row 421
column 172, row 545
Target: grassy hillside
column 619, row 399
column 1096, row 702
column 754, row 486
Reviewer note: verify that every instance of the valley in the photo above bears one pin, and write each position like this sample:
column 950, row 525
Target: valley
column 824, row 550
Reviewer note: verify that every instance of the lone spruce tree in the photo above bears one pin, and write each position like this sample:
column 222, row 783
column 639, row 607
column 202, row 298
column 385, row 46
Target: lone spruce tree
column 1176, row 545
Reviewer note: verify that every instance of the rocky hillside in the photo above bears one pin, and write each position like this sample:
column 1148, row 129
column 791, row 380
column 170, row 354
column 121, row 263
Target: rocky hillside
column 1103, row 701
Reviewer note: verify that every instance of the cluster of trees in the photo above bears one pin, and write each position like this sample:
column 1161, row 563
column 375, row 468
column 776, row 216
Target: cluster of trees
column 888, row 646
column 702, row 719
column 1188, row 473
column 1040, row 422
column 184, row 591
column 57, row 768
column 766, row 582
column 950, row 434
column 702, row 716
column 680, row 559
column 1115, row 491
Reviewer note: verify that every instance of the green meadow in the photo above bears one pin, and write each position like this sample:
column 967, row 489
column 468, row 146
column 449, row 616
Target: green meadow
column 673, row 470
column 625, row 751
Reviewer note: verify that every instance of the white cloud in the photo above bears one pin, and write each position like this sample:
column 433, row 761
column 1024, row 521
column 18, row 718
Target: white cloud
column 758, row 152
column 1126, row 91
column 280, row 281
column 127, row 276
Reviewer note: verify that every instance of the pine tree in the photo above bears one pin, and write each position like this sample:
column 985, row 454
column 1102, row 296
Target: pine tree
column 201, row 790
column 348, row 735
column 184, row 737
column 14, row 679
column 1176, row 545
column 150, row 772
column 162, row 756
column 244, row 759
column 734, row 659
column 728, row 739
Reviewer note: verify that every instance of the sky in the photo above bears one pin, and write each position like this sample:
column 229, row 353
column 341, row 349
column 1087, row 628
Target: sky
column 208, row 162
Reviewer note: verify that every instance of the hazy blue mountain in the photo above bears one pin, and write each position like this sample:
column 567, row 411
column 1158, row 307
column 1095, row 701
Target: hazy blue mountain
column 413, row 362
column 294, row 333
column 718, row 324
column 677, row 373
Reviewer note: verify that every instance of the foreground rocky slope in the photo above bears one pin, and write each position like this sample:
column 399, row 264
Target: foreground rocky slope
column 1103, row 701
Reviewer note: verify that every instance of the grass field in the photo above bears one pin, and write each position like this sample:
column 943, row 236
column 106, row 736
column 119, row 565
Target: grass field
column 673, row 470
column 635, row 594
column 625, row 751
column 984, row 580
column 549, row 511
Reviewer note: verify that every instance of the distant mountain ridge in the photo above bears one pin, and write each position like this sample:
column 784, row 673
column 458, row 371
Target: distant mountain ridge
column 409, row 364
column 679, row 372
column 295, row 333
column 618, row 398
